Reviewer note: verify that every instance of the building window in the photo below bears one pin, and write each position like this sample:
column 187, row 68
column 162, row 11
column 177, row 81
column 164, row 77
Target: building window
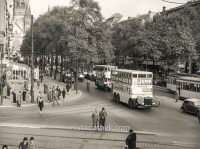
column 22, row 4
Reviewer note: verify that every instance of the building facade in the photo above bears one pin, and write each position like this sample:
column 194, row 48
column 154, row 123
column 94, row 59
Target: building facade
column 4, row 28
column 192, row 3
column 21, row 24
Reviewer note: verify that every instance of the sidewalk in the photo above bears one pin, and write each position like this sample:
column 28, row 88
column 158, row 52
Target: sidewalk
column 50, row 137
column 50, row 82
column 62, row 138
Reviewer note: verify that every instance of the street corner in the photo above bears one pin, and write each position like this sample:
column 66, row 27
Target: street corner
column 73, row 95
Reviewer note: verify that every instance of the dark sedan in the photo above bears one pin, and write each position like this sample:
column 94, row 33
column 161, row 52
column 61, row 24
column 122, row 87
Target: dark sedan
column 191, row 106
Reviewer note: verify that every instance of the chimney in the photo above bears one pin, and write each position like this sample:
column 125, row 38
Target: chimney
column 164, row 8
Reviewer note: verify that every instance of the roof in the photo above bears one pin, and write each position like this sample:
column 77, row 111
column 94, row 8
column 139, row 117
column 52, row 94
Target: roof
column 192, row 99
column 188, row 4
column 111, row 66
column 132, row 71
column 192, row 79
column 116, row 15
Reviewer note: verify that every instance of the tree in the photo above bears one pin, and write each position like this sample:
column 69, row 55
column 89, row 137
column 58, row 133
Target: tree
column 127, row 37
column 70, row 32
column 170, row 38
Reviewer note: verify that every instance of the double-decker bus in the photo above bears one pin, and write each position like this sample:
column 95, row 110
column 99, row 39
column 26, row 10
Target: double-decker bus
column 189, row 87
column 103, row 76
column 132, row 87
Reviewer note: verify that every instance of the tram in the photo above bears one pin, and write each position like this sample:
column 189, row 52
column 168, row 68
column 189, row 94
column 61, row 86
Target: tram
column 171, row 81
column 18, row 76
column 189, row 87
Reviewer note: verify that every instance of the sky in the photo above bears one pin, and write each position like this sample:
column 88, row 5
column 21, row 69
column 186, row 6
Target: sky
column 127, row 8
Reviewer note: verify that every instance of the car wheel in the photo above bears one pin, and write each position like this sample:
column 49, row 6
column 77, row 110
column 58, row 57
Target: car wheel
column 131, row 104
column 184, row 109
column 114, row 97
column 118, row 98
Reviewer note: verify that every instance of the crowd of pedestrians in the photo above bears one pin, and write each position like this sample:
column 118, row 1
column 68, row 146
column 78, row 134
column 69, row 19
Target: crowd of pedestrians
column 25, row 144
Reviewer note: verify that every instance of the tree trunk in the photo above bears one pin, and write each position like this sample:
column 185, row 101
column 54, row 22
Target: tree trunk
column 61, row 69
column 44, row 61
column 51, row 71
column 35, row 60
column 56, row 63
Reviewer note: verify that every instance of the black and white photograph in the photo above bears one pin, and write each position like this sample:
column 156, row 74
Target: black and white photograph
column 99, row 74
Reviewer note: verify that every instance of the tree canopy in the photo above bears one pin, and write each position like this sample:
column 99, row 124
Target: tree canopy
column 73, row 32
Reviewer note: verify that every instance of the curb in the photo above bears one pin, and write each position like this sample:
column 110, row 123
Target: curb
column 47, row 103
column 70, row 129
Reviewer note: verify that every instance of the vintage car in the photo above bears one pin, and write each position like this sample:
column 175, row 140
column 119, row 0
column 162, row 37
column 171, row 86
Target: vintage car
column 191, row 106
column 81, row 77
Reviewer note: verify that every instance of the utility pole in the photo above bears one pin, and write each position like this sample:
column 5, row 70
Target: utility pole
column 1, row 49
column 146, row 60
column 76, row 75
column 32, row 63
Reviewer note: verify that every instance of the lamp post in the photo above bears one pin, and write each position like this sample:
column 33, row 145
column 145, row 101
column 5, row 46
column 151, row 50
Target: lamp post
column 1, row 49
column 76, row 75
column 32, row 63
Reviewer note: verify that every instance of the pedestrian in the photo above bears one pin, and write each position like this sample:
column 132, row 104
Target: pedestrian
column 24, row 95
column 41, row 103
column 55, row 98
column 5, row 92
column 4, row 146
column 41, row 77
column 131, row 140
column 177, row 94
column 95, row 119
column 50, row 94
column 32, row 144
column 67, row 87
column 38, row 84
column 14, row 96
column 198, row 115
column 8, row 90
column 102, row 118
column 38, row 96
column 63, row 94
column 19, row 99
column 88, row 85
column 28, row 96
column 59, row 92
column 24, row 143
column 53, row 89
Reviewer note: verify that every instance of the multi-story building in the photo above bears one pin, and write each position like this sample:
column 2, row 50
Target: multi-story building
column 192, row 3
column 21, row 24
column 3, row 26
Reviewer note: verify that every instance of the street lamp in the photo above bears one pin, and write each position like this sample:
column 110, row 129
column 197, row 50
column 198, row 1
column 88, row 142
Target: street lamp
column 1, row 55
column 32, row 63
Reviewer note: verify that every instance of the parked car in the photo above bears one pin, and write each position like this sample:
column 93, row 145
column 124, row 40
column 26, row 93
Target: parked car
column 191, row 106
column 81, row 77
column 198, row 115
column 160, row 81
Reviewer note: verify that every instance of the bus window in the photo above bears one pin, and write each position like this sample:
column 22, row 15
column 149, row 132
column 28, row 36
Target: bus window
column 149, row 75
column 192, row 87
column 25, row 75
column 198, row 87
column 174, row 81
column 134, row 75
column 141, row 75
column 185, row 86
column 13, row 74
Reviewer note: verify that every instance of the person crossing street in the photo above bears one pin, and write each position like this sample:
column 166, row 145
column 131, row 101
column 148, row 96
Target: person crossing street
column 41, row 104
column 88, row 85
